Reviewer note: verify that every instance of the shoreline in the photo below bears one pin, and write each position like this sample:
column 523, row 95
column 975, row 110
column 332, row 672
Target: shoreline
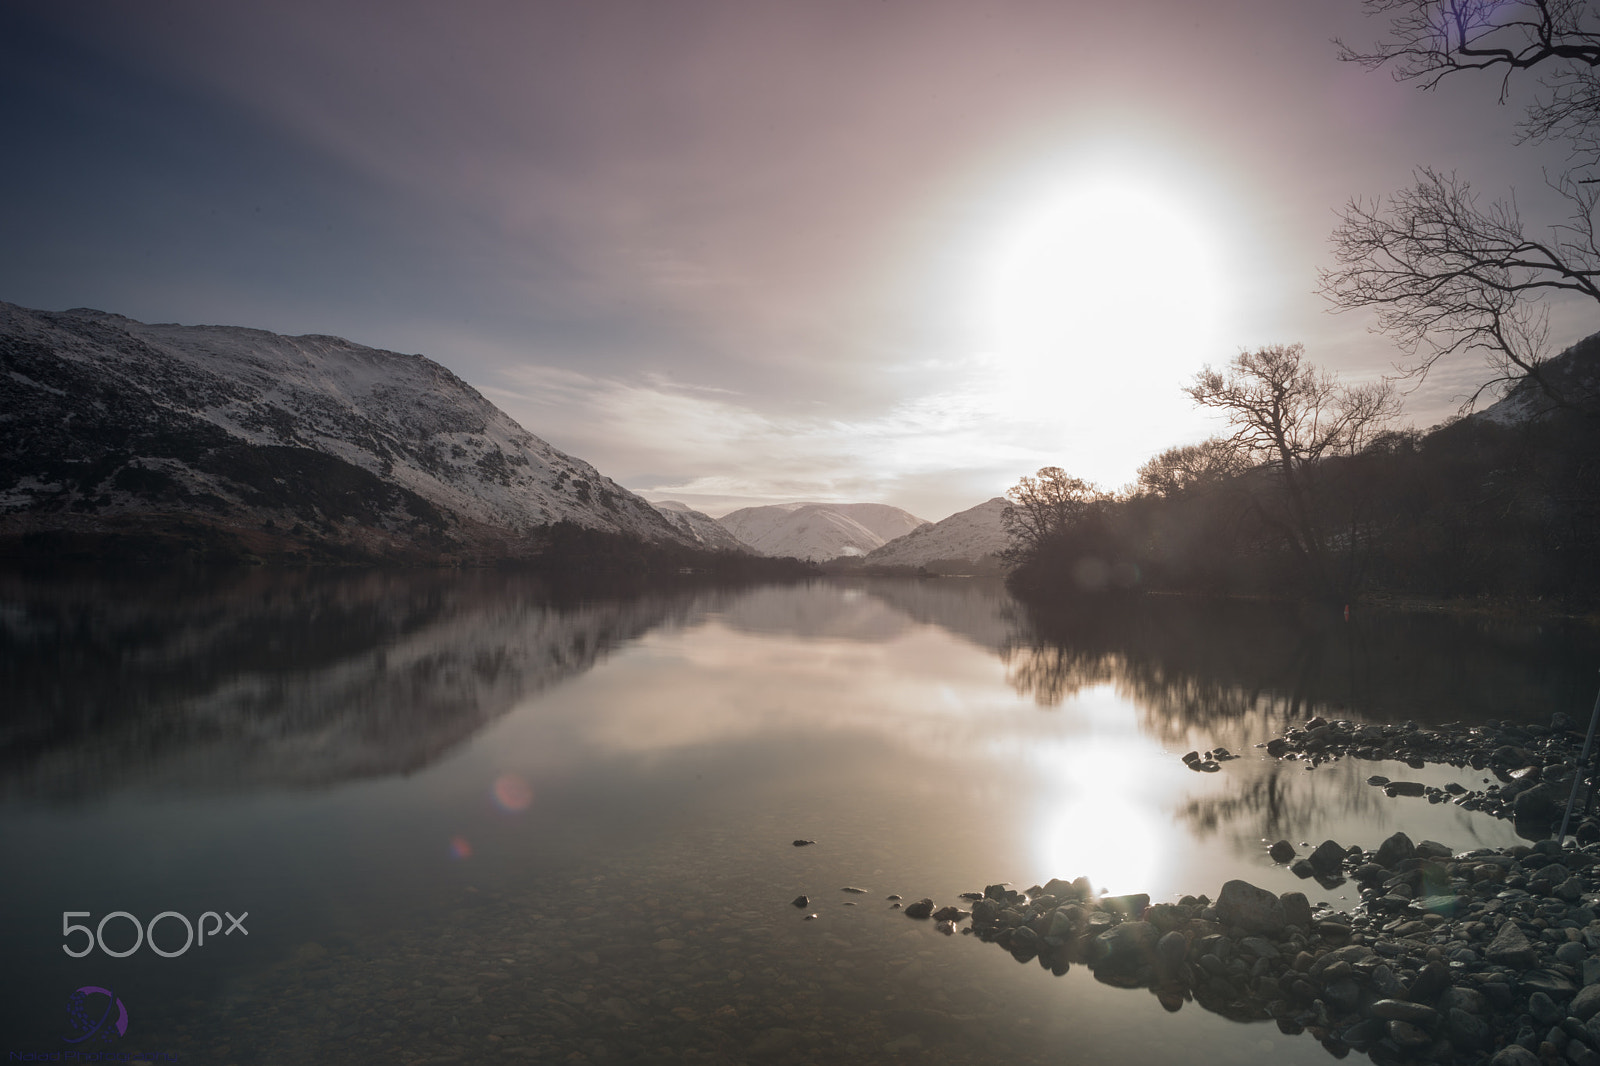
column 1487, row 956
column 1460, row 958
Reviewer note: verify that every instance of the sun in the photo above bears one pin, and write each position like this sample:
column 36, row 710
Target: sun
column 1101, row 286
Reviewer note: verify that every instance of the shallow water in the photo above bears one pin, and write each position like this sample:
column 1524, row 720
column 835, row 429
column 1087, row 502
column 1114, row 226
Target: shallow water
column 474, row 818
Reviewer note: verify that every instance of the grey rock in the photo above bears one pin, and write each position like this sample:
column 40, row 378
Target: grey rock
column 1282, row 852
column 1407, row 1035
column 1466, row 1030
column 1399, row 1009
column 1393, row 850
column 1510, row 947
column 1586, row 1004
column 1327, row 858
column 923, row 908
column 1250, row 908
column 1296, row 909
column 1543, row 1009
column 1124, row 949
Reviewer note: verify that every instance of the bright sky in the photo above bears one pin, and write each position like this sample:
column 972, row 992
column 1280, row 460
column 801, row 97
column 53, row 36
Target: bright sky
column 732, row 253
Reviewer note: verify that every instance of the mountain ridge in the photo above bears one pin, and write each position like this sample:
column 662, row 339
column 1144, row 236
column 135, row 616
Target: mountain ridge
column 276, row 444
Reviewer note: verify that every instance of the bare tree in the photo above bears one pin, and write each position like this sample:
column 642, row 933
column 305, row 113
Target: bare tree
column 1192, row 466
column 1560, row 39
column 1289, row 415
column 1044, row 507
column 1446, row 274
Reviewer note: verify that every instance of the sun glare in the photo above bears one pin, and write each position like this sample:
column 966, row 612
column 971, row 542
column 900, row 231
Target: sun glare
column 1100, row 288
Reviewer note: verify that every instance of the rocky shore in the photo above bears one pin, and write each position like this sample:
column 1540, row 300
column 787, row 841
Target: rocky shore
column 1487, row 956
column 1483, row 957
column 1533, row 764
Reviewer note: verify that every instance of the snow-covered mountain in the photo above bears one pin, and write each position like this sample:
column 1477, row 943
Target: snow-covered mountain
column 968, row 536
column 819, row 531
column 272, row 444
column 700, row 527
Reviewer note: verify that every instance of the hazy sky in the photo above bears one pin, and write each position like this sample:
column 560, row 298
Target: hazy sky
column 742, row 251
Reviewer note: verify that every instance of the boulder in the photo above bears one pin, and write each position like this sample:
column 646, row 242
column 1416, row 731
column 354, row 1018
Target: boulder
column 1282, row 852
column 1252, row 909
column 1296, row 909
column 1510, row 947
column 1124, row 950
column 1327, row 858
column 1397, row 848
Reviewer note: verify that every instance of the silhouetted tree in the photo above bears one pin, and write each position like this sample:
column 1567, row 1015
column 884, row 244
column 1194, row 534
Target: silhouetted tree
column 1444, row 273
column 1430, row 40
column 1044, row 507
column 1289, row 415
column 1177, row 471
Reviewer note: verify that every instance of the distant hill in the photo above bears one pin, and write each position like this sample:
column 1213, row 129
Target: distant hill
column 973, row 536
column 819, row 531
column 255, row 444
column 702, row 528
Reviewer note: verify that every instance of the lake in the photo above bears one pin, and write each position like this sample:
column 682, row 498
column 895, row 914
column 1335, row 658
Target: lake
column 429, row 817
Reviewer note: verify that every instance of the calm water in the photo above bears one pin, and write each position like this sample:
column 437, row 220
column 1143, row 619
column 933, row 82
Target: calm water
column 473, row 820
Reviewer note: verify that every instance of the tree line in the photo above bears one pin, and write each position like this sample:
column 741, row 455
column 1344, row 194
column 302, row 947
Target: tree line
column 1314, row 495
column 1313, row 492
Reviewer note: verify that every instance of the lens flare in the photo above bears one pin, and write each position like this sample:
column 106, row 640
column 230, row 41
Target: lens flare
column 460, row 848
column 512, row 793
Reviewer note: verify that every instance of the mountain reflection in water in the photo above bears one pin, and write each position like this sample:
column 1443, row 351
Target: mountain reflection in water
column 397, row 768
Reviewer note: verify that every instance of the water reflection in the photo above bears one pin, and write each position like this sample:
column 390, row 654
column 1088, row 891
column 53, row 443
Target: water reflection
column 402, row 767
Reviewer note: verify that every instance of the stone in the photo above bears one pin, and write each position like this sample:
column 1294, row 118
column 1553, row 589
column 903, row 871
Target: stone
column 1393, row 850
column 800, row 901
column 1586, row 1004
column 1327, row 858
column 1296, row 909
column 1124, row 949
column 1432, row 980
column 1407, row 1035
column 1252, row 909
column 1399, row 1009
column 1538, row 803
column 1551, row 983
column 1171, row 950
column 984, row 911
column 1543, row 1009
column 1282, row 852
column 1404, row 788
column 1510, row 947
column 1131, row 905
column 1432, row 849
column 1303, row 869
column 1466, row 1030
column 1351, row 954
column 949, row 914
column 1514, row 1055
column 923, row 908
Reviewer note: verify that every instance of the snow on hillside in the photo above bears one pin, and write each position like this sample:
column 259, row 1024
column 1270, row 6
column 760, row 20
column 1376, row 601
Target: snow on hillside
column 969, row 535
column 700, row 527
column 106, row 417
column 819, row 531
